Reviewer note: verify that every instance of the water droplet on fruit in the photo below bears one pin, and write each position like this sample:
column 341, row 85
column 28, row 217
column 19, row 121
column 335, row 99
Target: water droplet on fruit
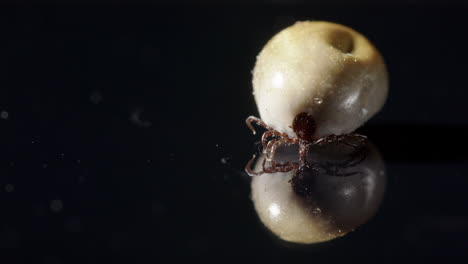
column 318, row 100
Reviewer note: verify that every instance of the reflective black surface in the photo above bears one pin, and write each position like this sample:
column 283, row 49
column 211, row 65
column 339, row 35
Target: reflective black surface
column 336, row 191
column 123, row 126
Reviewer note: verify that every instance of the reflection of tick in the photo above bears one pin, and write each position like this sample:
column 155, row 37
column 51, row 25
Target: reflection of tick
column 304, row 127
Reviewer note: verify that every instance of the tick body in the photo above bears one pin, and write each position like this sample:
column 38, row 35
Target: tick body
column 304, row 128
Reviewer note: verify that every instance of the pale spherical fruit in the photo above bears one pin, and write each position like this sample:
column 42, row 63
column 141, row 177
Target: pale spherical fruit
column 327, row 70
column 334, row 205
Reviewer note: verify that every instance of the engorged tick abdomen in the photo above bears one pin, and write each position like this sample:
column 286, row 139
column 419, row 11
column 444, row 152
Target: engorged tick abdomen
column 327, row 70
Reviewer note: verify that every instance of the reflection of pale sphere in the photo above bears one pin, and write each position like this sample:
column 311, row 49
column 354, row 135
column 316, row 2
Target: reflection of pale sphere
column 336, row 206
column 327, row 70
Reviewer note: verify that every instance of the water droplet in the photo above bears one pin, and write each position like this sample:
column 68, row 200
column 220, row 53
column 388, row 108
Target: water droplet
column 318, row 100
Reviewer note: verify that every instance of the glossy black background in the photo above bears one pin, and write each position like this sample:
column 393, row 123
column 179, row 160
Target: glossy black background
column 126, row 128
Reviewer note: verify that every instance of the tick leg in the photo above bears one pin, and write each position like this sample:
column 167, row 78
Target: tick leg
column 279, row 167
column 360, row 138
column 274, row 144
column 334, row 169
column 271, row 133
column 339, row 174
column 303, row 150
column 248, row 168
column 258, row 121
column 267, row 150
column 343, row 139
column 355, row 158
column 272, row 168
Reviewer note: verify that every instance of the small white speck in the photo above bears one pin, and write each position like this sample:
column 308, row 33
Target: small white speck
column 274, row 210
column 96, row 97
column 9, row 188
column 135, row 117
column 56, row 205
column 348, row 190
column 4, row 115
column 217, row 145
column 364, row 111
column 223, row 160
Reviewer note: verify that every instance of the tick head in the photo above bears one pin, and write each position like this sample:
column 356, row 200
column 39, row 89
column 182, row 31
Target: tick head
column 304, row 126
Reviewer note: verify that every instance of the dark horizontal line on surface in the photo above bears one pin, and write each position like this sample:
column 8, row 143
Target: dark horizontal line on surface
column 419, row 143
